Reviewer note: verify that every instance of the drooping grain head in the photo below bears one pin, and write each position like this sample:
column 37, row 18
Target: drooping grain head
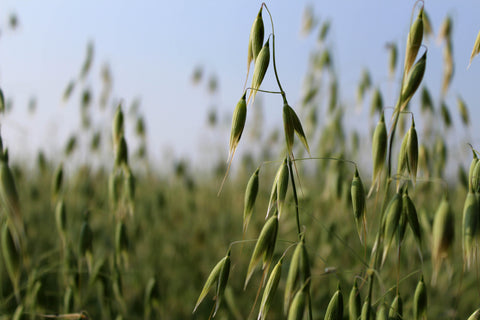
column 222, row 282
column 264, row 247
column 414, row 79
column 299, row 272
column 469, row 229
column 379, row 149
column 412, row 152
column 414, row 41
column 354, row 303
column 260, row 69
column 250, row 197
column 282, row 186
column 270, row 290
column 256, row 35
column 238, row 124
column 118, row 126
column 391, row 222
column 377, row 102
column 218, row 272
column 61, row 219
column 121, row 153
column 358, row 197
column 57, row 180
column 420, row 301
column 474, row 174
column 475, row 50
column 412, row 217
column 335, row 307
column 297, row 309
column 396, row 309
column 463, row 110
column 442, row 232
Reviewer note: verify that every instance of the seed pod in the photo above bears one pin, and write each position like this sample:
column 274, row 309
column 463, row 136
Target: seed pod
column 114, row 185
column 121, row 153
column 358, row 201
column 426, row 102
column 447, row 119
column 297, row 309
column 250, row 197
column 379, row 150
column 414, row 79
column 288, row 127
column 11, row 255
column 470, row 222
column 402, row 159
column 2, row 101
column 121, row 237
column 391, row 221
column 474, row 174
column 264, row 247
column 412, row 152
column 238, row 123
column 270, row 290
column 335, row 307
column 420, row 301
column 61, row 219
column 427, row 25
column 366, row 306
column 396, row 309
column 462, row 108
column 256, row 35
column 475, row 50
column 382, row 313
column 222, row 282
column 57, row 180
column 282, row 186
column 377, row 102
column 218, row 274
column 299, row 271
column 414, row 41
column 118, row 126
column 475, row 315
column 130, row 189
column 354, row 303
column 443, row 232
column 412, row 217
column 393, row 58
column 261, row 66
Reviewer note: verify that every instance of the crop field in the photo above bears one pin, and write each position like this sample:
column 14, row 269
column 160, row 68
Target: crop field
column 314, row 219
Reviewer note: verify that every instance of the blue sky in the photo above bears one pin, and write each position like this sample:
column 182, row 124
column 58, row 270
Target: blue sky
column 152, row 48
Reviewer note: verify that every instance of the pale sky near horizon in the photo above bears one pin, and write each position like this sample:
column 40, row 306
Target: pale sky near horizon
column 152, row 48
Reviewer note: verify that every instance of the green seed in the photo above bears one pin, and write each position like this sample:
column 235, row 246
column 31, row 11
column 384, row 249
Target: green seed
column 264, row 247
column 282, row 186
column 396, row 309
column 250, row 197
column 335, row 307
column 414, row 41
column 414, row 79
column 297, row 309
column 358, row 201
column 298, row 272
column 238, row 124
column 379, row 150
column 354, row 303
column 462, row 108
column 426, row 102
column 121, row 153
column 412, row 217
column 261, row 66
column 256, row 35
column 475, row 315
column 118, row 126
column 216, row 274
column 377, row 102
column 61, row 219
column 270, row 290
column 444, row 111
column 475, row 50
column 412, row 152
column 382, row 313
column 420, row 301
column 222, row 282
column 391, row 221
column 443, row 232
column 470, row 224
